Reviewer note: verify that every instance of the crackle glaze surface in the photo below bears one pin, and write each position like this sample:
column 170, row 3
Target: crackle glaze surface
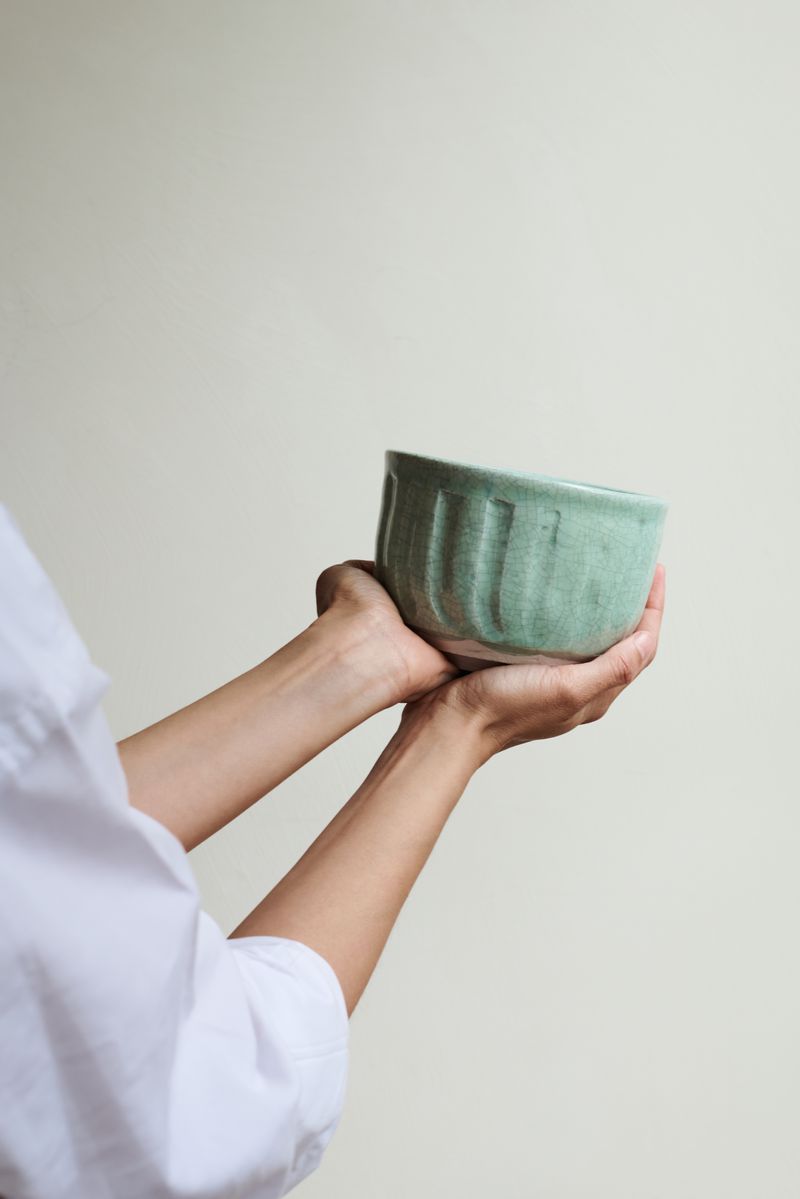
column 497, row 565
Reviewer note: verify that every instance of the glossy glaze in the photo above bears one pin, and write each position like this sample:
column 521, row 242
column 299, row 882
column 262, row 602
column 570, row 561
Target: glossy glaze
column 498, row 565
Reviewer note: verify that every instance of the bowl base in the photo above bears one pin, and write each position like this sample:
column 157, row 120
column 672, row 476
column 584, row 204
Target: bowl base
column 474, row 655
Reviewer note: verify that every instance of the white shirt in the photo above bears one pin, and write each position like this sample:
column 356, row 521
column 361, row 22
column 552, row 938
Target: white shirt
column 142, row 1054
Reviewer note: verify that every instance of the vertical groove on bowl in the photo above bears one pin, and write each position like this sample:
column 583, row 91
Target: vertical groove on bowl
column 434, row 557
column 387, row 515
column 406, row 546
column 454, row 525
column 498, row 518
column 518, row 565
column 398, row 549
column 415, row 560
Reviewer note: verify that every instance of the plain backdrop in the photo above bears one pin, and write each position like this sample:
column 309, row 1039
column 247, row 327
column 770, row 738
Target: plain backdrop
column 246, row 247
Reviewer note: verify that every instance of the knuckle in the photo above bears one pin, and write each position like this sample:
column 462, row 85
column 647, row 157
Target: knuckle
column 327, row 585
column 567, row 697
column 623, row 671
column 325, row 576
column 596, row 713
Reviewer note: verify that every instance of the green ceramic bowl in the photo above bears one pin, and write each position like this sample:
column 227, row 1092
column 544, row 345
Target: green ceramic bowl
column 504, row 566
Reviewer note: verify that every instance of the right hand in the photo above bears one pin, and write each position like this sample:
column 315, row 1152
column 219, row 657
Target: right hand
column 515, row 704
column 412, row 667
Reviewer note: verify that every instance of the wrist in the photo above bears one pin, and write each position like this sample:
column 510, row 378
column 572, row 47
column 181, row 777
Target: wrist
column 448, row 724
column 358, row 649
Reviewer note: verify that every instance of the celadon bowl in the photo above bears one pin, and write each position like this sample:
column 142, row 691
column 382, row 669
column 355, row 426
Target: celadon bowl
column 499, row 566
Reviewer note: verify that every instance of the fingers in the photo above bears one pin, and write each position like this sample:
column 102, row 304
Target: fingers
column 323, row 590
column 326, row 585
column 622, row 663
column 336, row 576
column 654, row 608
column 362, row 564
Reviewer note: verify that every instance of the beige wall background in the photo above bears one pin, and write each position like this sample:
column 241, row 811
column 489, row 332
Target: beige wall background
column 244, row 248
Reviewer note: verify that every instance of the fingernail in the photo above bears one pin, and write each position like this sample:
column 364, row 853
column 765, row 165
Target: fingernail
column 644, row 643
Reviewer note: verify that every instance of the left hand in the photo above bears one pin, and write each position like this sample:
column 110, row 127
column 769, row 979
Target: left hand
column 511, row 705
column 351, row 589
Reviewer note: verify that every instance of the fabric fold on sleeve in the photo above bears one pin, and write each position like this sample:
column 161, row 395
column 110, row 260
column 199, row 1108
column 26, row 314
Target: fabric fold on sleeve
column 145, row 1054
column 294, row 994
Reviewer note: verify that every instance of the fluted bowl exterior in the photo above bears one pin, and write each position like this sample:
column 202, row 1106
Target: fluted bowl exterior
column 499, row 565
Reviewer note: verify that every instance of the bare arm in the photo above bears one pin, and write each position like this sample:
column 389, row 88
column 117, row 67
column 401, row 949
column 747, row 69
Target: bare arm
column 200, row 767
column 344, row 895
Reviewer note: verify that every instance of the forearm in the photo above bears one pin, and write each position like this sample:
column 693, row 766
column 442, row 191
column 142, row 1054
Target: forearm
column 343, row 896
column 200, row 767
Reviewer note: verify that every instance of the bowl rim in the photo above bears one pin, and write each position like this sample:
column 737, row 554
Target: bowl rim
column 528, row 476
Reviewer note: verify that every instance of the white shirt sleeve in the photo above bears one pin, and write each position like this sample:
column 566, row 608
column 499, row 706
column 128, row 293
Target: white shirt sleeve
column 143, row 1053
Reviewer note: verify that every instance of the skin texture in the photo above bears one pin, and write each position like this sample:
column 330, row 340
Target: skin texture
column 199, row 768
column 516, row 704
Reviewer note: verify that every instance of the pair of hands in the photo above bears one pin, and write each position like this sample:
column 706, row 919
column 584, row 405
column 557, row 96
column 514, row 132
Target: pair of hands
column 511, row 704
